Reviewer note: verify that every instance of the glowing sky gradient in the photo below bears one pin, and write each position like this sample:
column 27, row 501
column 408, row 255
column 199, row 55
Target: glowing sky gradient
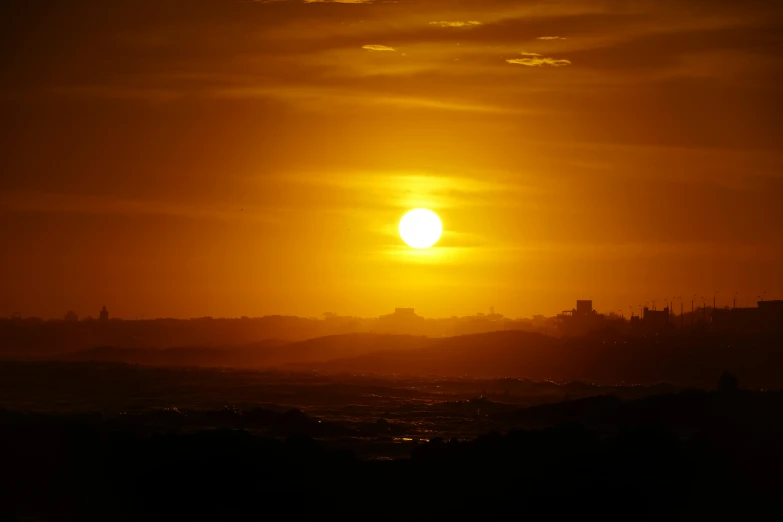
column 228, row 158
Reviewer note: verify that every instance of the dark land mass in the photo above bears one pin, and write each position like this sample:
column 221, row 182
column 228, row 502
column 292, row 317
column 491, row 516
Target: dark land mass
column 362, row 426
column 35, row 337
column 264, row 354
column 602, row 357
column 685, row 455
column 693, row 359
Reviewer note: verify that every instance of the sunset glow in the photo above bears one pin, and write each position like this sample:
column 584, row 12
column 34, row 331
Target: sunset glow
column 181, row 159
column 420, row 228
column 399, row 259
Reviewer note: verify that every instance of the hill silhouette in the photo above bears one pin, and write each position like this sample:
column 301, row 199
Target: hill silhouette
column 347, row 346
column 479, row 355
column 264, row 354
column 603, row 357
column 237, row 356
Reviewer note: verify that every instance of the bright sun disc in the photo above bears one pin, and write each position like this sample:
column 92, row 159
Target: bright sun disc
column 420, row 228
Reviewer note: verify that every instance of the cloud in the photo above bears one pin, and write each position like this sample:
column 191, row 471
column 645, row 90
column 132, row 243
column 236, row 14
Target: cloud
column 470, row 23
column 378, row 48
column 536, row 60
column 551, row 38
column 539, row 62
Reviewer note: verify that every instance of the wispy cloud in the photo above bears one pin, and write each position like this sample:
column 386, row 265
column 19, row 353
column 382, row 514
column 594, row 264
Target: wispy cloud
column 378, row 48
column 446, row 23
column 551, row 38
column 537, row 60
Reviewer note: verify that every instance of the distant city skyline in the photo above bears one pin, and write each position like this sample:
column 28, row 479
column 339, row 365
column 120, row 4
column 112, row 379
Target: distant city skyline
column 676, row 305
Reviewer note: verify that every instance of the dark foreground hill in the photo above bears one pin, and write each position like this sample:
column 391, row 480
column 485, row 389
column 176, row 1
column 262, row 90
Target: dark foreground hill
column 603, row 357
column 264, row 354
column 252, row 355
column 688, row 456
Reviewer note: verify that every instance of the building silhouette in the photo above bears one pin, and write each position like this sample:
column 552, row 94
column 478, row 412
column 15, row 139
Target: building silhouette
column 584, row 308
column 104, row 315
column 655, row 321
column 581, row 320
column 402, row 321
column 767, row 317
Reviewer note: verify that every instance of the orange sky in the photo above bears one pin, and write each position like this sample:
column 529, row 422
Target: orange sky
column 231, row 158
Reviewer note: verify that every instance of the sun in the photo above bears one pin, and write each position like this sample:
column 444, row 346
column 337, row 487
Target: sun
column 420, row 228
